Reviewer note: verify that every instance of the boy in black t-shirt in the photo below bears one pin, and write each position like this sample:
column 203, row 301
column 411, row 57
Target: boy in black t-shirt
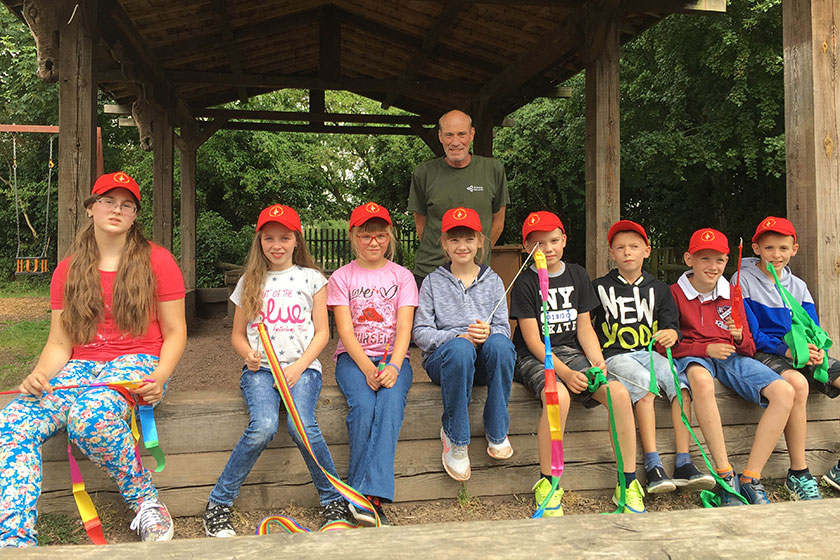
column 575, row 346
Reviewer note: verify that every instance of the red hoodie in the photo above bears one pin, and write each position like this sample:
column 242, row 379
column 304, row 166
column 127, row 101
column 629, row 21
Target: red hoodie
column 704, row 323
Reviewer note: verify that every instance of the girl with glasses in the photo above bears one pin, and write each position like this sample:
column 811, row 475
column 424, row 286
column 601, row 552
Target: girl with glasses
column 373, row 300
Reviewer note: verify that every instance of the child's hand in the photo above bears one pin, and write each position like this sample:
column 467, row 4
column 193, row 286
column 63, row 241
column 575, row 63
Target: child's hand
column 253, row 360
column 816, row 355
column 35, row 384
column 576, row 381
column 371, row 374
column 478, row 332
column 601, row 364
column 666, row 337
column 719, row 351
column 737, row 334
column 469, row 337
column 388, row 376
column 292, row 373
column 149, row 392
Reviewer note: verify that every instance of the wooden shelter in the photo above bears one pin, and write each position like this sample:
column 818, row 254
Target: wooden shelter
column 175, row 61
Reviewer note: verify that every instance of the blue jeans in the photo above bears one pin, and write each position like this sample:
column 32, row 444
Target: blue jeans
column 373, row 425
column 264, row 404
column 456, row 366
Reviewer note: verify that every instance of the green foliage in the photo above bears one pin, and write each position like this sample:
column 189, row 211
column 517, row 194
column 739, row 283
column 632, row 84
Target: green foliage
column 26, row 286
column 20, row 343
column 55, row 529
column 220, row 242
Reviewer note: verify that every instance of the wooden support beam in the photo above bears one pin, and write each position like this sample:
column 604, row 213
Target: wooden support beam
column 274, row 81
column 187, row 152
column 222, row 17
column 449, row 12
column 430, row 138
column 76, row 120
column 812, row 147
column 281, row 127
column 602, row 145
column 483, row 123
column 163, row 164
column 302, row 116
column 662, row 7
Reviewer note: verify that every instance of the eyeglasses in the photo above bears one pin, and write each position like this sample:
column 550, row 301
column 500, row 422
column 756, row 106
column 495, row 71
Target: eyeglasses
column 127, row 208
column 365, row 239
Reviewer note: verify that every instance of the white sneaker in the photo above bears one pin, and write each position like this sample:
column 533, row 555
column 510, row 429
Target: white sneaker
column 456, row 460
column 153, row 522
column 502, row 450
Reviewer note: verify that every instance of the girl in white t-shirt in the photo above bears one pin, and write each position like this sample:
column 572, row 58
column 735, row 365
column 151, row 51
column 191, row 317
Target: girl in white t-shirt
column 373, row 300
column 282, row 288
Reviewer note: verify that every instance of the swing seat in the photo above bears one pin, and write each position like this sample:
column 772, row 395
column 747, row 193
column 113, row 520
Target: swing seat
column 31, row 265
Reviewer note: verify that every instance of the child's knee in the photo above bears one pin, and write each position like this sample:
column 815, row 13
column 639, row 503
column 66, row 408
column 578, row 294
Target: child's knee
column 779, row 393
column 702, row 383
column 800, row 385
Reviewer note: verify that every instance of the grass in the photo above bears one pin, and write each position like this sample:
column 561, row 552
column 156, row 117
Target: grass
column 20, row 343
column 27, row 286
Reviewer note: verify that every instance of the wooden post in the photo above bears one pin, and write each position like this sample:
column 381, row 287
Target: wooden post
column 812, row 144
column 162, row 135
column 602, row 148
column 76, row 121
column 483, row 141
column 187, row 151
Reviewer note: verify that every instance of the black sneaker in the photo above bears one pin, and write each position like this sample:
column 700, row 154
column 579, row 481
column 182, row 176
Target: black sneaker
column 217, row 521
column 658, row 482
column 689, row 477
column 367, row 518
column 336, row 511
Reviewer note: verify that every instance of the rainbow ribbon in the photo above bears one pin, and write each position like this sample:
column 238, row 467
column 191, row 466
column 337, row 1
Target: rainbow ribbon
column 351, row 495
column 87, row 511
column 738, row 311
column 552, row 401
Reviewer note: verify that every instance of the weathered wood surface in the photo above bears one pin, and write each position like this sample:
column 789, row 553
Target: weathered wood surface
column 198, row 429
column 786, row 530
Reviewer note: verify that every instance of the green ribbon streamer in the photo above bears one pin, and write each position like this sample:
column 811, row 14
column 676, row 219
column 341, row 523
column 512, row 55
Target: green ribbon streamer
column 803, row 331
column 707, row 497
column 595, row 378
column 654, row 386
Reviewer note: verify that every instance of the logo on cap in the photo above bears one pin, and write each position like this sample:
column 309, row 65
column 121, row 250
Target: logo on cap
column 707, row 235
column 459, row 214
column 121, row 177
column 769, row 222
column 372, row 207
column 276, row 210
column 533, row 219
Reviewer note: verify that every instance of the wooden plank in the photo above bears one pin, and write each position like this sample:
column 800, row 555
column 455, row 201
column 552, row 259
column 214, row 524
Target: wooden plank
column 602, row 147
column 222, row 18
column 77, row 122
column 319, row 128
column 163, row 165
column 798, row 529
column 188, row 163
column 303, row 116
column 812, row 147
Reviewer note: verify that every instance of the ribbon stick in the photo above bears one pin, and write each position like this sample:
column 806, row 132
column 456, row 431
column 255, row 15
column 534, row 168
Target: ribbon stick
column 504, row 296
column 358, row 500
column 738, row 312
column 552, row 401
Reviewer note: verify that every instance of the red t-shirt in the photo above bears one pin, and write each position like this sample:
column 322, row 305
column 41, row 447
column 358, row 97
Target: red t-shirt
column 109, row 342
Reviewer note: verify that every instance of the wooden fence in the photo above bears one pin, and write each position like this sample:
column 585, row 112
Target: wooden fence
column 330, row 247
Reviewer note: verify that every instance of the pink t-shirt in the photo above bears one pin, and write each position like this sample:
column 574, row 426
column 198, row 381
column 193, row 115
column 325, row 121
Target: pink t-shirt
column 109, row 342
column 373, row 296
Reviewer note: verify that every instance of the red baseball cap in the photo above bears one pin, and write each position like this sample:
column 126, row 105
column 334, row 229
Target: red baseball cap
column 460, row 217
column 776, row 225
column 120, row 179
column 541, row 221
column 708, row 238
column 365, row 212
column 283, row 215
column 626, row 225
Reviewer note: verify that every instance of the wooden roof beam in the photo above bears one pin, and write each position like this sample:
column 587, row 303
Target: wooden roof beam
column 274, row 81
column 220, row 14
column 431, row 39
column 353, row 129
column 301, row 116
column 673, row 6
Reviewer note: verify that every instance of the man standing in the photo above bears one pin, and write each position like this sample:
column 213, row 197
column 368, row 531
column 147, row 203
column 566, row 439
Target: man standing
column 457, row 179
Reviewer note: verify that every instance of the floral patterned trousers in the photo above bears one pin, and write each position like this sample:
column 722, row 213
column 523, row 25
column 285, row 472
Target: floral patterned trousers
column 97, row 420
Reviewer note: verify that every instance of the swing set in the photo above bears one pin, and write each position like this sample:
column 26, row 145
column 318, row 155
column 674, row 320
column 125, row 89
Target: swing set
column 38, row 264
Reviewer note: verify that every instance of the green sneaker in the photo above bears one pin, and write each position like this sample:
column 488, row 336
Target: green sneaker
column 633, row 499
column 554, row 507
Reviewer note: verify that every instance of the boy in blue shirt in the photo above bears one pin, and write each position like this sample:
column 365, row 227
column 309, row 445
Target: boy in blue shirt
column 769, row 318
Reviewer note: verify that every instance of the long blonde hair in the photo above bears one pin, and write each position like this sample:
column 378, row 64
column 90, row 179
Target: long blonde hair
column 256, row 267
column 134, row 299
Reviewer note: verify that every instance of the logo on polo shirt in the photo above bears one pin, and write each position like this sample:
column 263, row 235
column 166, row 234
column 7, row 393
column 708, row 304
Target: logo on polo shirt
column 475, row 188
column 121, row 177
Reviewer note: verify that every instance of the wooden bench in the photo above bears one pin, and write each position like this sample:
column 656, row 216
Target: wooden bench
column 793, row 529
column 197, row 431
